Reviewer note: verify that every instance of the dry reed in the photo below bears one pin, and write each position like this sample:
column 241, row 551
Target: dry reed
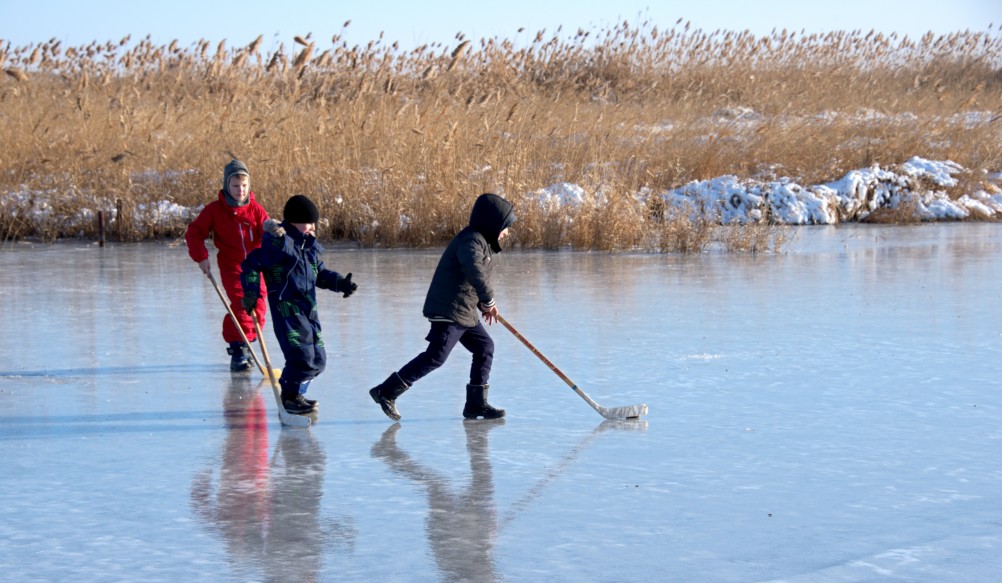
column 395, row 144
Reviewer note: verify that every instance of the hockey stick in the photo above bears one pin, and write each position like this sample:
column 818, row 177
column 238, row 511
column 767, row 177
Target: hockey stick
column 284, row 416
column 236, row 323
column 631, row 412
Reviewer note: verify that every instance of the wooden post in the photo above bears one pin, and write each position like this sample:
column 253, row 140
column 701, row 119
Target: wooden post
column 100, row 228
column 118, row 218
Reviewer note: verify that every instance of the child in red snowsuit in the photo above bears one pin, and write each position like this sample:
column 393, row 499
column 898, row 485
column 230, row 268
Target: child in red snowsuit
column 236, row 223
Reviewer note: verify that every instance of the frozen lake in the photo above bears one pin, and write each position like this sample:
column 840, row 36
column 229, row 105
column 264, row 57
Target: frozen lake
column 831, row 413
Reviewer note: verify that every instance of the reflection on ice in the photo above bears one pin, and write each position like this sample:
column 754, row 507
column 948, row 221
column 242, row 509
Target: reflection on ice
column 462, row 520
column 534, row 492
column 266, row 505
column 827, row 413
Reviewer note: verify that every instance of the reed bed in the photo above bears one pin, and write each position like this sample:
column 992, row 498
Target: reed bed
column 394, row 144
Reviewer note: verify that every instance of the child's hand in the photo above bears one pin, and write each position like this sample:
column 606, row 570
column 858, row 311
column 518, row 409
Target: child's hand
column 491, row 314
column 274, row 228
column 346, row 286
column 249, row 303
column 204, row 266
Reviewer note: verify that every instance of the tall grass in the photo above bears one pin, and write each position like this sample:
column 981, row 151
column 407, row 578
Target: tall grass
column 393, row 144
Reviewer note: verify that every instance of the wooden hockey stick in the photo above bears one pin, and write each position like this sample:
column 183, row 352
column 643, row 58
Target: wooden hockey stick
column 236, row 323
column 630, row 412
column 284, row 416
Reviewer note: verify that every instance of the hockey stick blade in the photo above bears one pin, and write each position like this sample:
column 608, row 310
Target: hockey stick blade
column 287, row 419
column 631, row 412
column 291, row 419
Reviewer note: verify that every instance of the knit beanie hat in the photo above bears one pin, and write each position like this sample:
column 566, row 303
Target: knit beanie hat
column 234, row 168
column 299, row 209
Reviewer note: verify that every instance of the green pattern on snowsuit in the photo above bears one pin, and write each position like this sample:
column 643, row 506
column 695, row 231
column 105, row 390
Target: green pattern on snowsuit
column 254, row 281
column 292, row 270
column 274, row 275
column 287, row 309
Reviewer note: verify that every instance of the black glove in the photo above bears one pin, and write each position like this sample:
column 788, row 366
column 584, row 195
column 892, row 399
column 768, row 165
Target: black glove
column 249, row 303
column 346, row 286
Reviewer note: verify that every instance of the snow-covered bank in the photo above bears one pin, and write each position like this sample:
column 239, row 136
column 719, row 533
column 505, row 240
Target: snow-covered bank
column 918, row 184
column 916, row 187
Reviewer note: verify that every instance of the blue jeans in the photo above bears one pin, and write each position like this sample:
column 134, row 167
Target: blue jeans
column 441, row 340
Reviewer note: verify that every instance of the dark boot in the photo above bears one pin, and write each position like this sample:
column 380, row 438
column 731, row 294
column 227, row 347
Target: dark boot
column 386, row 393
column 297, row 405
column 313, row 403
column 477, row 406
column 239, row 357
column 293, row 401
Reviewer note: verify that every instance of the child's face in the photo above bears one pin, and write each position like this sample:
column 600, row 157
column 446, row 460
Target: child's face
column 502, row 235
column 305, row 228
column 239, row 187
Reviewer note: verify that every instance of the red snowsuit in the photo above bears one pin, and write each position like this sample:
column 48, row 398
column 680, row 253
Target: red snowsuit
column 235, row 231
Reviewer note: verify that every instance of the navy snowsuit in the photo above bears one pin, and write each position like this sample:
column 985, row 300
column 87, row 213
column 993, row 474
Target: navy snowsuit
column 292, row 271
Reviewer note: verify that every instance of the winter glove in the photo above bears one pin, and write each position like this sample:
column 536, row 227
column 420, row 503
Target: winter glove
column 346, row 286
column 274, row 228
column 249, row 303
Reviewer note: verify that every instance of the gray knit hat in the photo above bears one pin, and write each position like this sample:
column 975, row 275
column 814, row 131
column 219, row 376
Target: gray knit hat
column 234, row 168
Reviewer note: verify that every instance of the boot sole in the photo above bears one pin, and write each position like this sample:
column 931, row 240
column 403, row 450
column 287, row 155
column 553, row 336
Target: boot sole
column 388, row 408
column 499, row 415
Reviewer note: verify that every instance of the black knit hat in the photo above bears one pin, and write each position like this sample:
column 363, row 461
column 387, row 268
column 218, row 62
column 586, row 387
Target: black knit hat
column 234, row 168
column 299, row 209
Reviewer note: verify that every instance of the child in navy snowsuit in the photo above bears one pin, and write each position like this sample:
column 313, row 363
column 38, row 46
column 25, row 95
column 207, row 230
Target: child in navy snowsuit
column 460, row 292
column 292, row 269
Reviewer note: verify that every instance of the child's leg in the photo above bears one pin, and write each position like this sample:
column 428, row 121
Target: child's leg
column 238, row 351
column 235, row 293
column 441, row 340
column 303, row 349
column 481, row 345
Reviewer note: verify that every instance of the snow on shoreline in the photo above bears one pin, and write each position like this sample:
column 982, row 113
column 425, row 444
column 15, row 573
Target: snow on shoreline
column 731, row 200
column 918, row 184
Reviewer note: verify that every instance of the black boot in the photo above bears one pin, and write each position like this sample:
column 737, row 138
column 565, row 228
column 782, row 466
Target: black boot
column 292, row 400
column 386, row 393
column 239, row 359
column 297, row 405
column 477, row 406
column 313, row 403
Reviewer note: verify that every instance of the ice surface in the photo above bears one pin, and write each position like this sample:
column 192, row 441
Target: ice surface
column 830, row 413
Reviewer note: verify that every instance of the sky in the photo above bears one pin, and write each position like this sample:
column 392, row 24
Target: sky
column 412, row 24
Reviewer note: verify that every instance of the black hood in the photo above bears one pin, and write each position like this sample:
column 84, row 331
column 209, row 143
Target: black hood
column 491, row 214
